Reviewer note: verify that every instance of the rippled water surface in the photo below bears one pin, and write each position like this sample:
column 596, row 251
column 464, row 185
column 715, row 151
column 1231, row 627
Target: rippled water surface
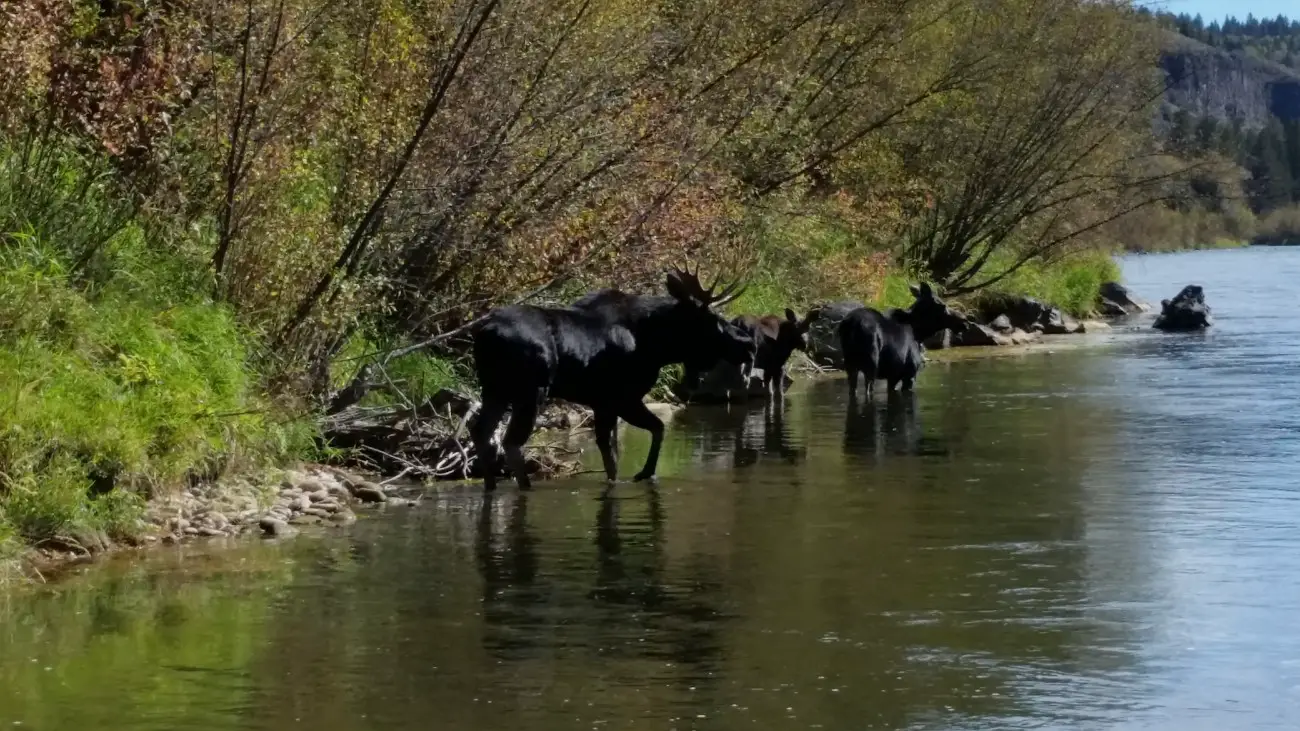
column 1103, row 537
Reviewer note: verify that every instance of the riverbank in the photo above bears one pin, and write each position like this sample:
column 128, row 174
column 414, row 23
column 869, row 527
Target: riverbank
column 278, row 504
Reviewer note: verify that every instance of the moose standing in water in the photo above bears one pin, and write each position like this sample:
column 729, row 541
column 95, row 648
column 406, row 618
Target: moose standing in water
column 605, row 351
column 888, row 346
column 775, row 340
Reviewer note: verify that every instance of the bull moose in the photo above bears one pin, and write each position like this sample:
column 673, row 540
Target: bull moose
column 888, row 346
column 775, row 340
column 604, row 351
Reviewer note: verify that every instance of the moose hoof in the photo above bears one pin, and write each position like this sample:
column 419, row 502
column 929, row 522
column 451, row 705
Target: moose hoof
column 643, row 477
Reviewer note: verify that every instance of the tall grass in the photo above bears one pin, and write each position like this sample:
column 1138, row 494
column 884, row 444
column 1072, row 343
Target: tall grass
column 119, row 377
column 1072, row 283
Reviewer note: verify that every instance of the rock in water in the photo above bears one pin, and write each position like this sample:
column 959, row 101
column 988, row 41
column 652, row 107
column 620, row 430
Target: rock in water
column 1186, row 311
column 1002, row 324
column 1116, row 301
column 275, row 528
column 724, row 383
column 974, row 334
column 369, row 492
column 824, row 333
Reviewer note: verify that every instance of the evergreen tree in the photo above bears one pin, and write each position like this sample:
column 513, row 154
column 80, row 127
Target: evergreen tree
column 1271, row 178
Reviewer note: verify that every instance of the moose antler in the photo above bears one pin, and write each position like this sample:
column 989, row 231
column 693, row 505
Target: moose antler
column 690, row 284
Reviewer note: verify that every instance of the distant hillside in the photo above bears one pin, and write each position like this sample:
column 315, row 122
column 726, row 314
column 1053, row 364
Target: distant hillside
column 1227, row 86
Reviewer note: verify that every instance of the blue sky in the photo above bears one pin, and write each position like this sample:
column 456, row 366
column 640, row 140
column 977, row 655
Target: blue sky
column 1218, row 9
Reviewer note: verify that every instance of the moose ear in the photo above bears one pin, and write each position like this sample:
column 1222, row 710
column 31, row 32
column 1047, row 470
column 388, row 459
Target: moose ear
column 789, row 315
column 808, row 320
column 916, row 291
column 926, row 291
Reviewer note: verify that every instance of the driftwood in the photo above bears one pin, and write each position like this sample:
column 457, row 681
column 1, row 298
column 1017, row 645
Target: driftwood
column 431, row 440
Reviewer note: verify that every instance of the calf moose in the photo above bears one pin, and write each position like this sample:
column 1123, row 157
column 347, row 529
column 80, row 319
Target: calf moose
column 889, row 346
column 604, row 351
column 775, row 341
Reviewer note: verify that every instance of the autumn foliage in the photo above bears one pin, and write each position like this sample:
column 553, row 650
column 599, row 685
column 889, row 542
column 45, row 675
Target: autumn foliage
column 393, row 168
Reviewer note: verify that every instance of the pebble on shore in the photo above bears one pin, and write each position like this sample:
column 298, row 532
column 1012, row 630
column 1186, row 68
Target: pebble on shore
column 316, row 495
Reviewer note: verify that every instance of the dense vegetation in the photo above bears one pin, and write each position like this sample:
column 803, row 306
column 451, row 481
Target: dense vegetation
column 212, row 213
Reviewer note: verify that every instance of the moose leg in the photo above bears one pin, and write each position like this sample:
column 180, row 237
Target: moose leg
column 607, row 441
column 892, row 383
column 489, row 416
column 907, row 384
column 852, row 370
column 521, row 426
column 869, row 376
column 640, row 417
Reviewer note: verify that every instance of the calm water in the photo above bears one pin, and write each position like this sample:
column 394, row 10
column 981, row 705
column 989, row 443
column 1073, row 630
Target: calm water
column 1104, row 537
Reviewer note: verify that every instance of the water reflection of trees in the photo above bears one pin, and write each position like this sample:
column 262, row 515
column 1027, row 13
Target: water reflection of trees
column 928, row 554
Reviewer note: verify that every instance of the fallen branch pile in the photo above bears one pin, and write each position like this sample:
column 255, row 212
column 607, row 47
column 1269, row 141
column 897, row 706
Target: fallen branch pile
column 431, row 440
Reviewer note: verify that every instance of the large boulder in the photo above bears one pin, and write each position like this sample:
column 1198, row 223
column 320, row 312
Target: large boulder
column 1114, row 300
column 1028, row 314
column 1186, row 311
column 824, row 335
column 975, row 334
column 724, row 383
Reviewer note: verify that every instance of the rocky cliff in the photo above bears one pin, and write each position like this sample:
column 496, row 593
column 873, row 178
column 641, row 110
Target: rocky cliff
column 1226, row 85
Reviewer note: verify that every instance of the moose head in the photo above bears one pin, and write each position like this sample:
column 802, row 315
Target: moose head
column 793, row 334
column 701, row 328
column 929, row 315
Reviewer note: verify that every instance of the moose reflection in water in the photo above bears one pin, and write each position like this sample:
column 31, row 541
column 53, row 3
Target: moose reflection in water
column 526, row 606
column 870, row 430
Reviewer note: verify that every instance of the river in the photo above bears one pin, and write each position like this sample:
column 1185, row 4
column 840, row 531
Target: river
column 1098, row 537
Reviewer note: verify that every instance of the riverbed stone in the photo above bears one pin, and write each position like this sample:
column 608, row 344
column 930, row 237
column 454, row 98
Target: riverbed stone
column 276, row 528
column 1002, row 324
column 305, row 519
column 343, row 517
column 302, row 503
column 1186, row 311
column 369, row 492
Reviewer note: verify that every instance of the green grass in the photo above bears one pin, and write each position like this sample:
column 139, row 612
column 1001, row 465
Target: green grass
column 1071, row 284
column 111, row 385
column 120, row 378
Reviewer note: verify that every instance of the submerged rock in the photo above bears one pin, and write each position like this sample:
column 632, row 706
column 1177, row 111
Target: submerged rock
column 276, row 528
column 1186, row 311
column 1114, row 300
